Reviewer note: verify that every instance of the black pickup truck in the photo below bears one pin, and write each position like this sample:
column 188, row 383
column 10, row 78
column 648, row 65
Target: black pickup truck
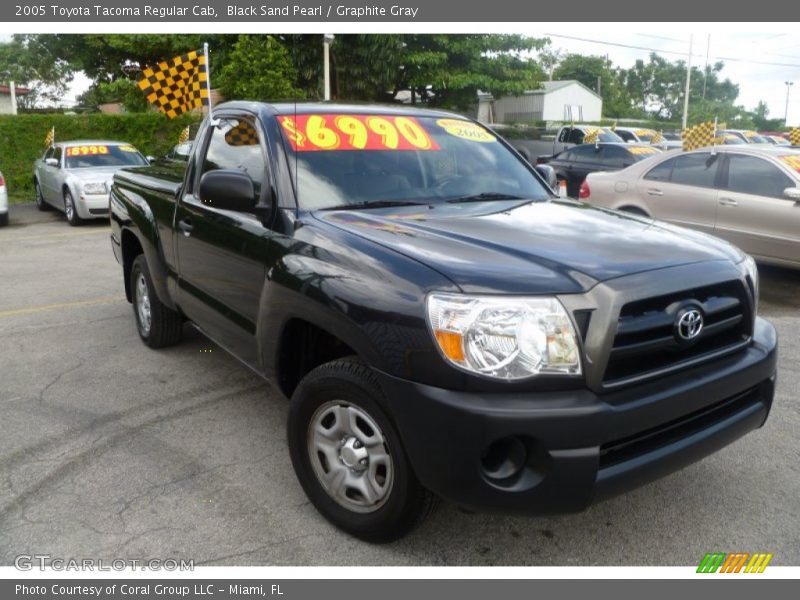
column 443, row 325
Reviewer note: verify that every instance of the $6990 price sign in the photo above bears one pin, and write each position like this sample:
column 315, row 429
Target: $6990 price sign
column 308, row 133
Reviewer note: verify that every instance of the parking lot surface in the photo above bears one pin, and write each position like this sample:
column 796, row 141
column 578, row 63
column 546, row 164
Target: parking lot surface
column 112, row 450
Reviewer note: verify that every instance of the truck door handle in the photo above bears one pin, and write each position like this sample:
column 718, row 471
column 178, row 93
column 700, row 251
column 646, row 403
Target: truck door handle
column 186, row 227
column 655, row 192
column 728, row 202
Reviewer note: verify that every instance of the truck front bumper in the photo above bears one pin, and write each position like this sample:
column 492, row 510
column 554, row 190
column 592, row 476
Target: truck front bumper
column 560, row 451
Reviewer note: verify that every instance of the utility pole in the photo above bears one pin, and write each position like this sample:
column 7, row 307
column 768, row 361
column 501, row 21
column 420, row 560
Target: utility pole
column 326, row 63
column 789, row 85
column 688, row 83
column 13, row 89
column 705, row 70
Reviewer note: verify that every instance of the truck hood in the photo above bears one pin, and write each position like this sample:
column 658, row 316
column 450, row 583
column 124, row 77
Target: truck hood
column 529, row 247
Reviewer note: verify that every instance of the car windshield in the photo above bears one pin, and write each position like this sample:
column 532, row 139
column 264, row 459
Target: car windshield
column 379, row 160
column 102, row 155
column 606, row 135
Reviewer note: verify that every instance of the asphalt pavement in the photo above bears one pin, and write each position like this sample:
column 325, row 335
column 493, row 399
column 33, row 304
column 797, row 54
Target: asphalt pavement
column 111, row 450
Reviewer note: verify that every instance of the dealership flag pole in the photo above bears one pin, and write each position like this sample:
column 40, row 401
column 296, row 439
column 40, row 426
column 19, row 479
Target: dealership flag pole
column 211, row 119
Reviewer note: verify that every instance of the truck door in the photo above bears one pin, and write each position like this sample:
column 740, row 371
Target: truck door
column 222, row 253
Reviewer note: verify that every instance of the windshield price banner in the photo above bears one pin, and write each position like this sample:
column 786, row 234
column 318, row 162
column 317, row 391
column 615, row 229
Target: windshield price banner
column 310, row 133
column 86, row 150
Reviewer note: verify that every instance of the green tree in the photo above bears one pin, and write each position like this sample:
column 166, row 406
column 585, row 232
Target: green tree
column 597, row 72
column 259, row 67
column 448, row 70
column 32, row 64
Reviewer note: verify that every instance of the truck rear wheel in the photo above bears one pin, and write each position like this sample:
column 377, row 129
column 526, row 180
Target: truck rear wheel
column 158, row 325
column 348, row 455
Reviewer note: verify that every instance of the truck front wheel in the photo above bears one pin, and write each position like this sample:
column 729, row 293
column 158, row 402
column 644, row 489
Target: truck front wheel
column 158, row 325
column 348, row 456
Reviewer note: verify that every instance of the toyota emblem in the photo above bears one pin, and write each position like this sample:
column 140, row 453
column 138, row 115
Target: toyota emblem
column 689, row 324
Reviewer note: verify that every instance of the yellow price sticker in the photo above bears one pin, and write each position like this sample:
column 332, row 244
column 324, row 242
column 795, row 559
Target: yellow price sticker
column 466, row 130
column 127, row 148
column 792, row 160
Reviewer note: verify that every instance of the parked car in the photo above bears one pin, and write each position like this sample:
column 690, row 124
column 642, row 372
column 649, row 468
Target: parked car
column 3, row 201
column 747, row 136
column 778, row 140
column 573, row 165
column 746, row 194
column 442, row 324
column 75, row 177
column 538, row 146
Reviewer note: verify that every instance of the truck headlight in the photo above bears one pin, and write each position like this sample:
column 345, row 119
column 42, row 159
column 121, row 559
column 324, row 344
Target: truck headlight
column 504, row 337
column 94, row 189
column 751, row 269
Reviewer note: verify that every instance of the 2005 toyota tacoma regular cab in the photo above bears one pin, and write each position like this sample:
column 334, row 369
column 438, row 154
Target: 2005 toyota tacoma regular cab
column 444, row 325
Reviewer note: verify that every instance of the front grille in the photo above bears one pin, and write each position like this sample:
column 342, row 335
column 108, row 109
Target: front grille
column 628, row 448
column 646, row 345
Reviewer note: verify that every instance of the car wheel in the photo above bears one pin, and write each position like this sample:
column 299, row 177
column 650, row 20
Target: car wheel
column 70, row 211
column 40, row 202
column 159, row 326
column 3, row 219
column 348, row 455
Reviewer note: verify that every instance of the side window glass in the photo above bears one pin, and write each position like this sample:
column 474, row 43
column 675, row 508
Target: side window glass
column 235, row 144
column 576, row 136
column 698, row 170
column 661, row 172
column 49, row 153
column 57, row 155
column 614, row 156
column 749, row 175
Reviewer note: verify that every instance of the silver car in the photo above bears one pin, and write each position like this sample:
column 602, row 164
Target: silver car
column 748, row 195
column 75, row 177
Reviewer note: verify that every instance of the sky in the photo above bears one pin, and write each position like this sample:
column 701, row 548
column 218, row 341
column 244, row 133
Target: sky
column 742, row 52
column 760, row 58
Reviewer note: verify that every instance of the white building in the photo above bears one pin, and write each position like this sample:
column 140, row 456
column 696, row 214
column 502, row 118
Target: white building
column 567, row 100
column 8, row 104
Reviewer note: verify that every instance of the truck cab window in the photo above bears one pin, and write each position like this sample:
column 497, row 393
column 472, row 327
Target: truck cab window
column 235, row 144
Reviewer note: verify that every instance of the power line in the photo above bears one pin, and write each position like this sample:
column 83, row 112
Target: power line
column 662, row 51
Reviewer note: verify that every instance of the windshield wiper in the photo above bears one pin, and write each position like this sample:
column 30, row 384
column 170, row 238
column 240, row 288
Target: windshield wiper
column 485, row 196
column 376, row 204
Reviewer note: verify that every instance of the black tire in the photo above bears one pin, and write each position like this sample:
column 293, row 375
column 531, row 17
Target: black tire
column 406, row 503
column 71, row 213
column 40, row 203
column 3, row 219
column 165, row 326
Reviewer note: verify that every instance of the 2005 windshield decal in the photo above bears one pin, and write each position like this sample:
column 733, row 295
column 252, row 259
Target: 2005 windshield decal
column 308, row 133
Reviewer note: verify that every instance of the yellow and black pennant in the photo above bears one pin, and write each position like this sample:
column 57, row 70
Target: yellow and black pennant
column 794, row 136
column 50, row 138
column 178, row 85
column 699, row 136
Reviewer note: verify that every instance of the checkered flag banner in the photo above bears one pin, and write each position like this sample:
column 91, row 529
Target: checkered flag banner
column 178, row 85
column 592, row 136
column 243, row 134
column 50, row 138
column 184, row 136
column 657, row 138
column 699, row 136
column 794, row 136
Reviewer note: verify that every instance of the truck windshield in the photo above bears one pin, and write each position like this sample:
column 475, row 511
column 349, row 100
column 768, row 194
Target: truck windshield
column 364, row 159
column 102, row 155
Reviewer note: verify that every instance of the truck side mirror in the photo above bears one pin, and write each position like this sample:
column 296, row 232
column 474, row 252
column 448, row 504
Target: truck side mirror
column 51, row 162
column 228, row 189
